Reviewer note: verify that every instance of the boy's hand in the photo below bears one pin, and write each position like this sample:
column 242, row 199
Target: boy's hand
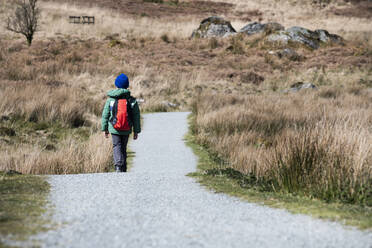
column 106, row 134
column 135, row 136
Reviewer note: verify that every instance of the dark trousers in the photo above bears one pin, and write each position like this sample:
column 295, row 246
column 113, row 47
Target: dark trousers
column 119, row 143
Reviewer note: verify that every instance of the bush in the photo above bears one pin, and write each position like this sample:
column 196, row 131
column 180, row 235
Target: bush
column 236, row 45
column 165, row 38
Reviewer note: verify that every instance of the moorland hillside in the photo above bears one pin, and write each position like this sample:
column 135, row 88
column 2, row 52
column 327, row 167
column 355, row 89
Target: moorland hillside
column 238, row 86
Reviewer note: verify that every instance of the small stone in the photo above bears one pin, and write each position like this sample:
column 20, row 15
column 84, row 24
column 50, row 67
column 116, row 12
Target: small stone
column 170, row 104
column 301, row 85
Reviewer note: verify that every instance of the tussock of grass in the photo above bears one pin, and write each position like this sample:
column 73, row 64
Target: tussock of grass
column 215, row 174
column 22, row 204
column 70, row 156
column 300, row 143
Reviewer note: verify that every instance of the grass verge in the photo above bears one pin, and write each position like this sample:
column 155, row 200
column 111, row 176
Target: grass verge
column 217, row 176
column 22, row 204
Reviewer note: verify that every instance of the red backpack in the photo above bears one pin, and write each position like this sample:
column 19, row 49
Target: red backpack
column 121, row 115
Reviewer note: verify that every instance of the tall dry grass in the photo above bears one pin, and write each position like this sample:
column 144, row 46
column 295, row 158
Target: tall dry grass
column 314, row 143
column 64, row 77
column 54, row 22
column 39, row 147
column 51, row 100
column 92, row 156
column 39, row 103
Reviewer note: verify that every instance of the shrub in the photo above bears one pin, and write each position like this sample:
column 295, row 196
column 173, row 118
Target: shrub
column 165, row 38
column 236, row 45
column 114, row 43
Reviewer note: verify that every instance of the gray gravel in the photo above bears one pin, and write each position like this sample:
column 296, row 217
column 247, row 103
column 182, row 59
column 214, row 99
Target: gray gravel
column 156, row 205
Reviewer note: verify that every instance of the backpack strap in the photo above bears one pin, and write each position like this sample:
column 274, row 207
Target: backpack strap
column 113, row 118
column 131, row 101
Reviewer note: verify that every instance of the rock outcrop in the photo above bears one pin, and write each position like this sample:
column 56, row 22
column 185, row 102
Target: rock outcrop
column 256, row 27
column 299, row 35
column 273, row 33
column 214, row 27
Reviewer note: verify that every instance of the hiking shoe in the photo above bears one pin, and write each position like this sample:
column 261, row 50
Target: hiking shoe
column 117, row 169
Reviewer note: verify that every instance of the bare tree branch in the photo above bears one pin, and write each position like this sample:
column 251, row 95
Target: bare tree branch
column 25, row 19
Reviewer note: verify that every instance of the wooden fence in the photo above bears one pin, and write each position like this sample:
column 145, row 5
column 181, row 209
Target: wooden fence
column 82, row 19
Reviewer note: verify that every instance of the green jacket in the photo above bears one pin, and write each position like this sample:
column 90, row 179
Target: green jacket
column 106, row 113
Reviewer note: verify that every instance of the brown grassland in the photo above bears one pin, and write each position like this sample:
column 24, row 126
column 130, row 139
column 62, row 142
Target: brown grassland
column 314, row 142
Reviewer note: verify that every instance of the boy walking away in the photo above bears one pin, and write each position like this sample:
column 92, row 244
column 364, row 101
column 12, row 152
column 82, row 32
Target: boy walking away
column 121, row 116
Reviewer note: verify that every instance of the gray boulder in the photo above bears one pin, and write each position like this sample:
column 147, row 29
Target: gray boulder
column 253, row 28
column 325, row 36
column 214, row 27
column 300, row 86
column 170, row 104
column 299, row 35
column 256, row 27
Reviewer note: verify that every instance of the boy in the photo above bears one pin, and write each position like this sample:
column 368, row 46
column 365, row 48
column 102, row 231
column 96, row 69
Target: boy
column 121, row 116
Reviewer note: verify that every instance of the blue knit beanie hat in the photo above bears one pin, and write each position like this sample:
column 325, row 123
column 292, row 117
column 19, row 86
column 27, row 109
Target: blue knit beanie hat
column 122, row 81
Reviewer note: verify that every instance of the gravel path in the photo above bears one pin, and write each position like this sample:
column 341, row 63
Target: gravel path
column 156, row 205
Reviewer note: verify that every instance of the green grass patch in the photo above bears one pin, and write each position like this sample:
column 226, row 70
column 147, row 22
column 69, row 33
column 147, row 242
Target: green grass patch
column 218, row 177
column 22, row 205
